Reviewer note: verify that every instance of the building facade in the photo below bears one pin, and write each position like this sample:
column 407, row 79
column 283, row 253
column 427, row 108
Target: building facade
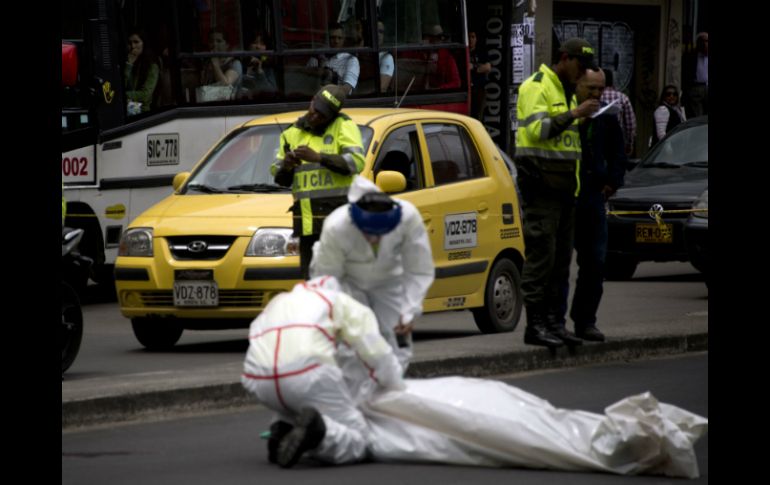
column 642, row 41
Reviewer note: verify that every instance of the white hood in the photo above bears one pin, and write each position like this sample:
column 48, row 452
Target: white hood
column 359, row 187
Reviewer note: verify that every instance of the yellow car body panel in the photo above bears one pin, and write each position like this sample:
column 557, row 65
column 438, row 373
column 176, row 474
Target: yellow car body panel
column 487, row 204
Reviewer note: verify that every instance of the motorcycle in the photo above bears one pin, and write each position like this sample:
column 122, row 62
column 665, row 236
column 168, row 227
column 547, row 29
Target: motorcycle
column 75, row 270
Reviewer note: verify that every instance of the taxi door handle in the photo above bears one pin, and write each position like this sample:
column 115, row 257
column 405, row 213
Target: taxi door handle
column 426, row 218
column 483, row 207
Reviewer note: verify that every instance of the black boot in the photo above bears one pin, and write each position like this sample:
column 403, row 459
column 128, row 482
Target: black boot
column 557, row 328
column 306, row 435
column 536, row 332
column 589, row 332
column 278, row 430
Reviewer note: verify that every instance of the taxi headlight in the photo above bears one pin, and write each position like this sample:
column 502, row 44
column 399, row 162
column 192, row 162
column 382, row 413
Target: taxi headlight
column 273, row 241
column 702, row 203
column 136, row 241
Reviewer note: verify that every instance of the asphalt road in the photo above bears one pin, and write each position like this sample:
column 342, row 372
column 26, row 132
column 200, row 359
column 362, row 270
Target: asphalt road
column 657, row 293
column 224, row 448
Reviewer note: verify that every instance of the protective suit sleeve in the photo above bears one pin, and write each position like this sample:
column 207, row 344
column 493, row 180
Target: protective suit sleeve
column 328, row 255
column 358, row 327
column 419, row 270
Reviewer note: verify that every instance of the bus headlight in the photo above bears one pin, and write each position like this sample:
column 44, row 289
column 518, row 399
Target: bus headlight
column 273, row 241
column 136, row 241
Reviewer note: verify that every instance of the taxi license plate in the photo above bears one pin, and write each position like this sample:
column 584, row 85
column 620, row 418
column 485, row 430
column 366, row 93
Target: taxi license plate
column 196, row 294
column 652, row 233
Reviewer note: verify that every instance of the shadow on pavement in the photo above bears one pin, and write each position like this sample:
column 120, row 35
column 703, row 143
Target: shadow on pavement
column 678, row 278
column 221, row 347
column 423, row 335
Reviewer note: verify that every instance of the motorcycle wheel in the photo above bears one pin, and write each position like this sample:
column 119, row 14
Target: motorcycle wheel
column 71, row 330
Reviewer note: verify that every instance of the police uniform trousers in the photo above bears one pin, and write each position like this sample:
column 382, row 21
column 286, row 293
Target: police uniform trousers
column 549, row 224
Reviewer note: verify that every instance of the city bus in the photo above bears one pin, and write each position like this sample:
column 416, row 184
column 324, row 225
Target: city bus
column 119, row 156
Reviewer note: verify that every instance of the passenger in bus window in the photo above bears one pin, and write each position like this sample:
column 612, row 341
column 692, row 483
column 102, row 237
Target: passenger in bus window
column 342, row 68
column 164, row 92
column 140, row 74
column 479, row 66
column 442, row 68
column 219, row 73
column 354, row 33
column 387, row 67
column 260, row 76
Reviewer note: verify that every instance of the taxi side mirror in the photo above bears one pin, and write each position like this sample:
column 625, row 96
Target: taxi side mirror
column 390, row 181
column 179, row 180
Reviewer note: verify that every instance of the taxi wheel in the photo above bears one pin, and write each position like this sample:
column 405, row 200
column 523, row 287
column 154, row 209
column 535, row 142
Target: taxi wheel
column 502, row 299
column 156, row 333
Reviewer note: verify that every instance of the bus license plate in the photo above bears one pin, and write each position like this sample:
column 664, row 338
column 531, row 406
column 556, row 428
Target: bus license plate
column 652, row 233
column 196, row 294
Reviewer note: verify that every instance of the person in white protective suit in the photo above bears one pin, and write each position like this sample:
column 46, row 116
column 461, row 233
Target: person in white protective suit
column 378, row 249
column 290, row 368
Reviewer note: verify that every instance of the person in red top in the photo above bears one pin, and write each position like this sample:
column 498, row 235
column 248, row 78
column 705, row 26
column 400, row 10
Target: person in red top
column 442, row 68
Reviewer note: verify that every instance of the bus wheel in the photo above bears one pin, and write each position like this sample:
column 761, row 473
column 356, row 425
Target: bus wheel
column 502, row 299
column 156, row 333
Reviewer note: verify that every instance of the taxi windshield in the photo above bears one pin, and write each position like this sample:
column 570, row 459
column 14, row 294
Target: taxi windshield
column 241, row 162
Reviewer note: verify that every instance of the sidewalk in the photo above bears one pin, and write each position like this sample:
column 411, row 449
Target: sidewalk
column 157, row 395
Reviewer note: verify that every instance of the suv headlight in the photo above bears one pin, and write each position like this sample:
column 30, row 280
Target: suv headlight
column 702, row 203
column 273, row 241
column 136, row 241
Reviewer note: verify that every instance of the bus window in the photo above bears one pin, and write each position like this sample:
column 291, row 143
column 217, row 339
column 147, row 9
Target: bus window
column 305, row 23
column 222, row 73
column 147, row 55
column 409, row 21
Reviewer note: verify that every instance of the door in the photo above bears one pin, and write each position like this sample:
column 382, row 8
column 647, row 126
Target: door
column 463, row 242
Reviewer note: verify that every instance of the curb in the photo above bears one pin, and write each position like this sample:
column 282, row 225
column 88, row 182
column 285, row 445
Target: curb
column 165, row 404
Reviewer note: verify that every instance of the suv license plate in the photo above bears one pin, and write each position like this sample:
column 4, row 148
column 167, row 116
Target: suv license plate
column 196, row 293
column 651, row 233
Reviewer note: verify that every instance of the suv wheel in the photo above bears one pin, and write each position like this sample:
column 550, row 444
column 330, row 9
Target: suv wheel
column 502, row 299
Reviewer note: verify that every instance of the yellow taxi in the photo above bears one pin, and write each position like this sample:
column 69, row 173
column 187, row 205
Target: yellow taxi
column 213, row 254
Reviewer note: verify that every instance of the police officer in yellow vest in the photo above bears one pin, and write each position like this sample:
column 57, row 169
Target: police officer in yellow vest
column 547, row 159
column 319, row 155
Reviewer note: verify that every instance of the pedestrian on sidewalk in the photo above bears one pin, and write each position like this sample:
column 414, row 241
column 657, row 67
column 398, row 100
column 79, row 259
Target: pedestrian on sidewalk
column 695, row 75
column 290, row 367
column 602, row 168
column 668, row 114
column 626, row 115
column 547, row 158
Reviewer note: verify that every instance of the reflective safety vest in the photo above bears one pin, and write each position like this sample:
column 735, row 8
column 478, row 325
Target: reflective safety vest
column 556, row 157
column 317, row 190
